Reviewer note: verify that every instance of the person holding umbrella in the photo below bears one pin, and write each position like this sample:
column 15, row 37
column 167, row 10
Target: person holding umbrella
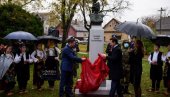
column 136, row 56
column 8, row 77
column 132, row 43
column 156, row 59
column 23, row 60
column 38, row 57
column 52, row 63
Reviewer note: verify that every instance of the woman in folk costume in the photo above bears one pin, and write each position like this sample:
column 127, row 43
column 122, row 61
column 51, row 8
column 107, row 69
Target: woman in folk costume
column 23, row 60
column 8, row 74
column 156, row 59
column 38, row 57
column 52, row 62
column 167, row 72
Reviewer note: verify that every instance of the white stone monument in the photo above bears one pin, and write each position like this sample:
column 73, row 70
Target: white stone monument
column 96, row 32
column 96, row 47
column 96, row 42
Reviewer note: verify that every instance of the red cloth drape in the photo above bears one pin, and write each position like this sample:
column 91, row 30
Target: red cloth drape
column 92, row 75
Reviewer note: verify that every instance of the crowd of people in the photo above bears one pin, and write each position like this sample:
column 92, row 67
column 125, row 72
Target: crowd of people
column 124, row 62
column 15, row 66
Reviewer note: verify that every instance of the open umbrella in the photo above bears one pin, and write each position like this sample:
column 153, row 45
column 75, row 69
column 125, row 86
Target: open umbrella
column 49, row 37
column 135, row 29
column 20, row 35
column 162, row 40
column 5, row 63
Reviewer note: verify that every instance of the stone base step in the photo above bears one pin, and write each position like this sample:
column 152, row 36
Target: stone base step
column 103, row 91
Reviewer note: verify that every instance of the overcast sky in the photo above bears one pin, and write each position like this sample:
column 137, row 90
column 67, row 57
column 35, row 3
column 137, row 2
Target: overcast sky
column 141, row 8
column 138, row 9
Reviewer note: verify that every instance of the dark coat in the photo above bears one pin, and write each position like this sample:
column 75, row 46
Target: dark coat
column 136, row 67
column 109, row 53
column 115, row 61
column 68, row 59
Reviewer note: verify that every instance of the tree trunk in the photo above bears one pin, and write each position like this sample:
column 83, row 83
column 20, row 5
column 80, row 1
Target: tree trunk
column 63, row 16
column 66, row 22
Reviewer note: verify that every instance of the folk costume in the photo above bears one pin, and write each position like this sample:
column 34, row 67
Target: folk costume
column 156, row 70
column 23, row 60
column 8, row 74
column 167, row 72
column 52, row 64
column 38, row 57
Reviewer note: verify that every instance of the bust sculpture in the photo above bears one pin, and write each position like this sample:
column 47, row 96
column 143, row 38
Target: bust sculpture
column 96, row 17
column 95, row 7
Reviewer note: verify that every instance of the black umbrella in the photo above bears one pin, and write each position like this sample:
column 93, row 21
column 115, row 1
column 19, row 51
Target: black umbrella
column 20, row 35
column 49, row 37
column 162, row 40
column 135, row 29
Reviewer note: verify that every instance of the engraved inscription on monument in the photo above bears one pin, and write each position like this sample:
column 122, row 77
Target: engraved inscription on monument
column 96, row 38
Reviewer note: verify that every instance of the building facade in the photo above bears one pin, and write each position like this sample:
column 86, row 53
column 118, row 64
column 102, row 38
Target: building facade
column 109, row 29
column 77, row 31
column 163, row 27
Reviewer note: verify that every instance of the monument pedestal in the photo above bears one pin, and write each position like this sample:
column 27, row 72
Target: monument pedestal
column 103, row 91
column 96, row 42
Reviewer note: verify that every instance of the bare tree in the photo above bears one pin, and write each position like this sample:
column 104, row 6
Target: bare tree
column 66, row 9
column 112, row 6
column 150, row 21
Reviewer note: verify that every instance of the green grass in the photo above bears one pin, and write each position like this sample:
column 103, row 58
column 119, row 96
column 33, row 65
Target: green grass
column 47, row 93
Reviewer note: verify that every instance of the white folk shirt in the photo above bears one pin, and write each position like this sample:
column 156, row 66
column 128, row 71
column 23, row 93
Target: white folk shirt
column 39, row 53
column 155, row 57
column 168, row 54
column 18, row 58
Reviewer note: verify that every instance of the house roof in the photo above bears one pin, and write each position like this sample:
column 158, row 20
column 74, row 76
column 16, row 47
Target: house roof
column 77, row 28
column 165, row 23
column 113, row 19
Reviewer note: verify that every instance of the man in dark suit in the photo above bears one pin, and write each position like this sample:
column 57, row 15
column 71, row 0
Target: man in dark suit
column 109, row 53
column 116, row 68
column 68, row 60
